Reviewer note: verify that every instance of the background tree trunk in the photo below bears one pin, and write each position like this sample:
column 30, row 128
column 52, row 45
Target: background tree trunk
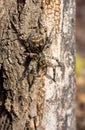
column 47, row 104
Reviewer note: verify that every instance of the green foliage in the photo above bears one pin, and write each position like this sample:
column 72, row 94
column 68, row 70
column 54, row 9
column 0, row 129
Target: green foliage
column 80, row 64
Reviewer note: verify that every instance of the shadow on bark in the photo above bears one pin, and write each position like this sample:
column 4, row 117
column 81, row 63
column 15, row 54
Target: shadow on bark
column 5, row 117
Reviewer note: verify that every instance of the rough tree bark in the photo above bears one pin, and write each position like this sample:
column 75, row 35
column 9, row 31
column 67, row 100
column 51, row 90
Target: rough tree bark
column 43, row 103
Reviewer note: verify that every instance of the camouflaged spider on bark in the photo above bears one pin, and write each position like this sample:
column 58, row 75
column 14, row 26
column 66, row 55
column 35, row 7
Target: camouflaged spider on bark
column 36, row 45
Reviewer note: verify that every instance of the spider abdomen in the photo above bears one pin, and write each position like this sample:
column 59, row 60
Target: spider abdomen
column 36, row 42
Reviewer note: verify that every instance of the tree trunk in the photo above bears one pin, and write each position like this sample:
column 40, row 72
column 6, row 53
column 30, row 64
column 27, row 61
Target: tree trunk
column 37, row 65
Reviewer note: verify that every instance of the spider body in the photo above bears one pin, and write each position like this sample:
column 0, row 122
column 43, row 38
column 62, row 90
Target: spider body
column 36, row 45
column 36, row 52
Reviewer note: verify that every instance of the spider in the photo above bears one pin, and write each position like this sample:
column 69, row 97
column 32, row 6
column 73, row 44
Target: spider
column 36, row 45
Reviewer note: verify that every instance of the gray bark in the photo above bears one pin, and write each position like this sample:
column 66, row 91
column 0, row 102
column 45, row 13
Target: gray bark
column 47, row 103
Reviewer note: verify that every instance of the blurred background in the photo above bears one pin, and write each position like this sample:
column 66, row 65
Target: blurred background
column 80, row 64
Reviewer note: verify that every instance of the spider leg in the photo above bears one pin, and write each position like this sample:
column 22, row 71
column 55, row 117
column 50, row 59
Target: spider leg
column 35, row 121
column 25, row 74
column 54, row 72
column 31, row 69
column 54, row 58
column 31, row 55
column 60, row 64
column 17, row 30
column 49, row 40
